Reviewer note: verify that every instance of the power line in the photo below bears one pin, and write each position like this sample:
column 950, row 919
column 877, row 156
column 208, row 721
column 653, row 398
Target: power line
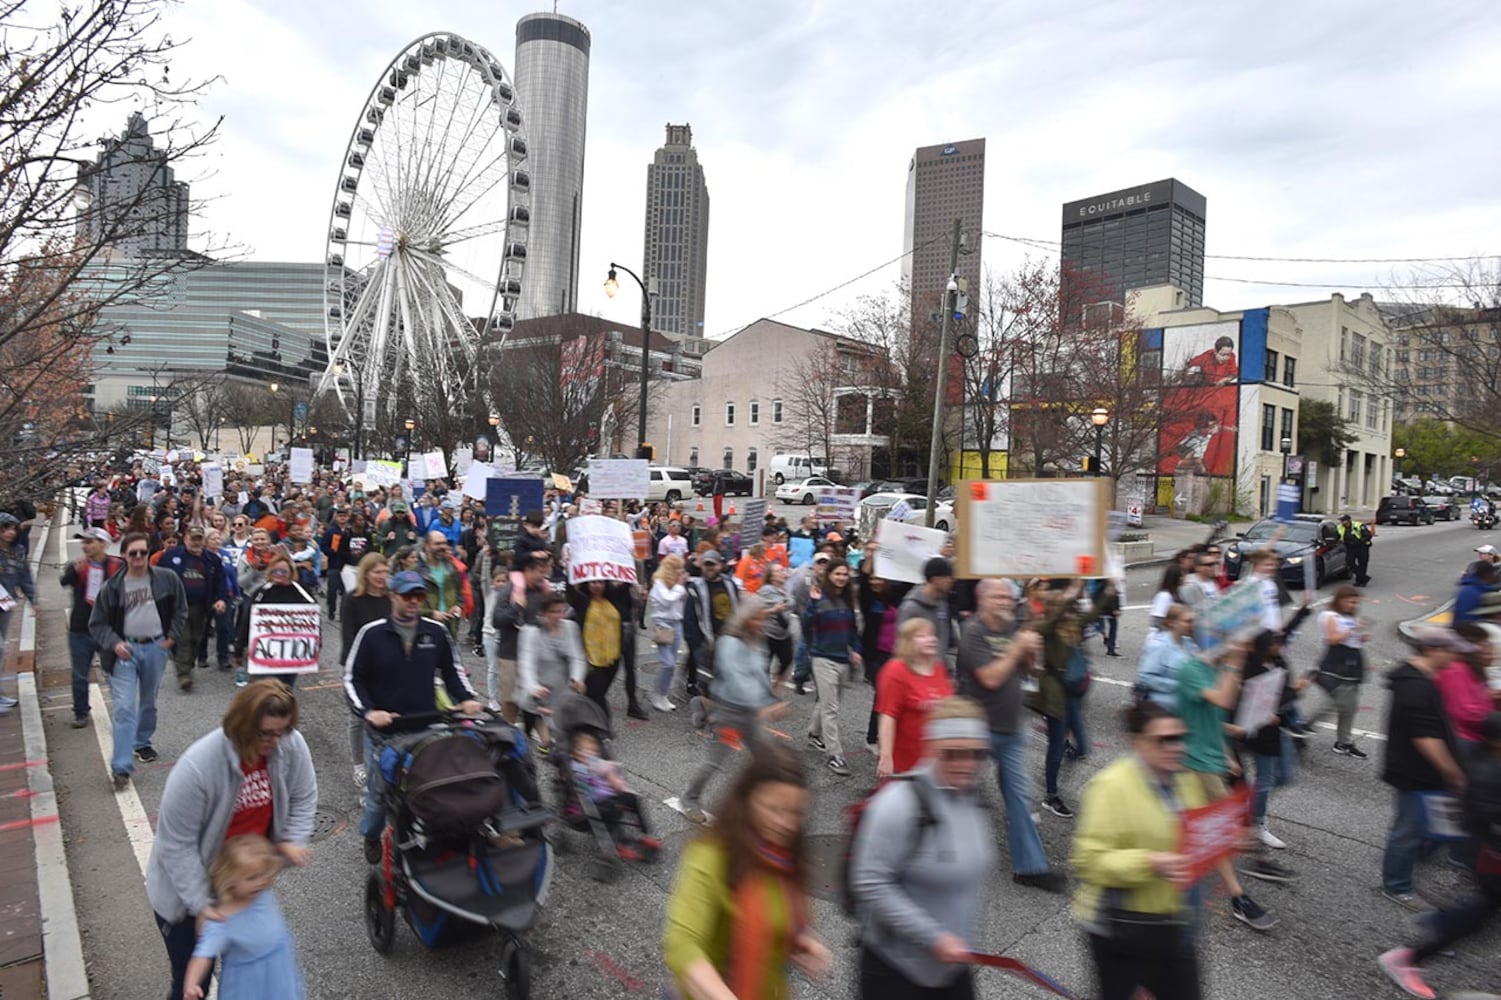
column 1039, row 242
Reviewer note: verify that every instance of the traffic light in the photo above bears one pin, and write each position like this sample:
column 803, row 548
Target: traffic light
column 647, row 451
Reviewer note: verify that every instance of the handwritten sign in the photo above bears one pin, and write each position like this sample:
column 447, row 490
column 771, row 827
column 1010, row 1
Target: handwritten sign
column 600, row 548
column 474, row 479
column 382, row 473
column 213, row 481
column 1260, row 697
column 1212, row 833
column 619, row 478
column 428, row 465
column 284, row 639
column 901, row 549
column 836, row 504
column 1031, row 527
column 301, row 463
column 1235, row 614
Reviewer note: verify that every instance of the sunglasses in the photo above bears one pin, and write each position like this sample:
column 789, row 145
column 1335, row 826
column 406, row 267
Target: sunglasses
column 962, row 754
column 416, row 596
column 136, row 554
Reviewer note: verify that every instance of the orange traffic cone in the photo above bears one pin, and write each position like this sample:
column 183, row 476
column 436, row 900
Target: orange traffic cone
column 700, row 505
column 732, row 508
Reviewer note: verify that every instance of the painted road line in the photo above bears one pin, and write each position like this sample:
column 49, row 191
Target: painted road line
column 62, row 943
column 137, row 825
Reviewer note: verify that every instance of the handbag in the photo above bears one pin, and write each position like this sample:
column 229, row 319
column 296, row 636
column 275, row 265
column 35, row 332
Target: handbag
column 1340, row 665
column 663, row 635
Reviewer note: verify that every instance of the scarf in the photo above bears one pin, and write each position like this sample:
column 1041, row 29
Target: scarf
column 768, row 901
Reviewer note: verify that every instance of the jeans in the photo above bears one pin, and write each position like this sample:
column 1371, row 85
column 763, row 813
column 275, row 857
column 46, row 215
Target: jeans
column 373, row 815
column 224, row 635
column 667, row 655
column 334, row 580
column 1013, row 774
column 1272, row 771
column 1054, row 758
column 81, row 649
column 132, row 692
column 1405, row 843
column 180, row 939
column 1465, row 918
column 1073, row 724
column 828, row 679
column 729, row 722
column 802, row 668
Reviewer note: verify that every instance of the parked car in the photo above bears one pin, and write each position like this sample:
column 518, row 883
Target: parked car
column 668, row 483
column 804, row 491
column 866, row 487
column 730, row 483
column 911, row 484
column 1403, row 510
column 1306, row 537
column 943, row 514
column 699, row 476
column 1442, row 508
column 793, row 467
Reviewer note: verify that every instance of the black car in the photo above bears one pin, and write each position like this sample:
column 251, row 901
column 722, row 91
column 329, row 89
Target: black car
column 699, row 476
column 725, row 481
column 1403, row 510
column 1442, row 508
column 866, row 487
column 1302, row 539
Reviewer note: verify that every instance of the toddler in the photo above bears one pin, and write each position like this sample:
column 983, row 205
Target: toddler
column 251, row 939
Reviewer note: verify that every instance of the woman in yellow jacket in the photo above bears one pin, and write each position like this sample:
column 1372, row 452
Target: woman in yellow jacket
column 738, row 913
column 1131, row 901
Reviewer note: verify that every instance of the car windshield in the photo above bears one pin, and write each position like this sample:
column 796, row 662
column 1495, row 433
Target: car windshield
column 1297, row 531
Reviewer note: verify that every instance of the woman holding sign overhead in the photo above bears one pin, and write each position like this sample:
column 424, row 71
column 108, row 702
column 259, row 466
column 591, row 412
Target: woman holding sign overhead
column 281, row 587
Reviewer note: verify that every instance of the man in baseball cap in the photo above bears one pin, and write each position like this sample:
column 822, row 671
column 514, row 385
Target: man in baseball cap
column 86, row 577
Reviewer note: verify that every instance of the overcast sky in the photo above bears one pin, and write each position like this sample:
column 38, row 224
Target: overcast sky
column 1344, row 128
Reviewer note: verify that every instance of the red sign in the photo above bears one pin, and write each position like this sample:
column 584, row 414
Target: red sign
column 1213, row 833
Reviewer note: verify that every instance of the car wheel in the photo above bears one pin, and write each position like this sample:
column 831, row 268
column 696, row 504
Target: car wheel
column 807, row 499
column 673, row 496
column 779, row 479
column 941, row 525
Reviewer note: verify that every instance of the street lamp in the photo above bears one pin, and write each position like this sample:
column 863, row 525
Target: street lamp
column 1399, row 454
column 1475, row 475
column 410, row 425
column 612, row 287
column 1099, row 416
column 1287, row 450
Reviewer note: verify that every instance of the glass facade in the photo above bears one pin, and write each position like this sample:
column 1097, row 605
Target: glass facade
column 1136, row 237
column 944, row 183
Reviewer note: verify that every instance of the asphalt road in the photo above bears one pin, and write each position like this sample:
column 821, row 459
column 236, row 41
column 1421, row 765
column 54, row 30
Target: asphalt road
column 602, row 940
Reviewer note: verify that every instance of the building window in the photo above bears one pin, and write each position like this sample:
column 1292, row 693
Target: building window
column 698, row 415
column 776, row 411
column 1373, row 414
column 693, row 456
column 729, row 459
column 1287, row 427
column 1354, row 415
column 1357, row 352
column 1289, row 372
column 729, row 415
column 750, row 460
column 1268, row 427
column 755, row 413
column 1271, row 365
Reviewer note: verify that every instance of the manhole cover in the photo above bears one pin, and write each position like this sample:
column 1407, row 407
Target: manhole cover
column 826, row 865
column 326, row 823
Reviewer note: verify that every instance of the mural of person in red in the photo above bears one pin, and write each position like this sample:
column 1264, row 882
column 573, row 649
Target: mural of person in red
column 1216, row 366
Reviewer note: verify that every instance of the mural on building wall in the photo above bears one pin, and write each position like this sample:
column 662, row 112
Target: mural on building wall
column 1198, row 436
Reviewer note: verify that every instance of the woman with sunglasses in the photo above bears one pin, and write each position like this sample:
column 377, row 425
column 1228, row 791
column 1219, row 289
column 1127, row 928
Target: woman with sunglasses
column 1132, row 902
column 923, row 853
column 281, row 587
column 252, row 775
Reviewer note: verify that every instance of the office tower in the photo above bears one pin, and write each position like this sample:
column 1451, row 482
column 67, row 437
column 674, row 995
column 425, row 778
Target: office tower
column 134, row 205
column 944, row 183
column 552, row 86
column 1147, row 235
column 677, row 235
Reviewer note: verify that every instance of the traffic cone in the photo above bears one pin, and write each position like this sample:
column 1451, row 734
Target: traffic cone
column 732, row 508
column 700, row 505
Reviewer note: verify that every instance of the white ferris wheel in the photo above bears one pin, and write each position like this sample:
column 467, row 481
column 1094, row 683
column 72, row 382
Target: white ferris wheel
column 427, row 231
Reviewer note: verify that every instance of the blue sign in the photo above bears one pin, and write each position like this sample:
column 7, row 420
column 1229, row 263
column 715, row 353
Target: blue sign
column 950, row 150
column 512, row 497
column 299, row 412
column 1287, row 501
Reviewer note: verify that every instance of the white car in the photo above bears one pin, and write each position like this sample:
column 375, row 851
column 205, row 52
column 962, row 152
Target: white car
column 879, row 505
column 804, row 491
column 668, row 483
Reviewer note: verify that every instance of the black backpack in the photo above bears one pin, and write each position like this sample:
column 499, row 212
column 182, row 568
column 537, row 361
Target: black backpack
column 451, row 785
column 926, row 820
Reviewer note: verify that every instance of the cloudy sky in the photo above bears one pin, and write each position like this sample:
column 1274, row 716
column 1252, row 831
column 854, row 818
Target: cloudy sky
column 1341, row 129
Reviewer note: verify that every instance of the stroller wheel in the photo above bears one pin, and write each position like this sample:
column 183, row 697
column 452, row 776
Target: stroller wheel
column 380, row 923
column 516, row 970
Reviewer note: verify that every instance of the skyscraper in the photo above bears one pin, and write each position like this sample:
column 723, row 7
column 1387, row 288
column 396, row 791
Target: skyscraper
column 1147, row 235
column 944, row 183
column 134, row 204
column 677, row 234
column 552, row 85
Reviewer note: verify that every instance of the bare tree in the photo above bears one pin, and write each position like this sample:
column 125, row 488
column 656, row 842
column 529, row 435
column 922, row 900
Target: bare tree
column 199, row 404
column 245, row 406
column 551, row 394
column 807, row 391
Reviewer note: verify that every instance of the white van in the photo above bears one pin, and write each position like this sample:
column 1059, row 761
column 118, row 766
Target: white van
column 668, row 483
column 785, row 468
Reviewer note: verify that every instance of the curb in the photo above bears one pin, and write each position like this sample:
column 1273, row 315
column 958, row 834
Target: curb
column 1404, row 628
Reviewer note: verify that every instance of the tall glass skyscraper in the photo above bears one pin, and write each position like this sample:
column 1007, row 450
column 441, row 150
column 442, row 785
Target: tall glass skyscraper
column 135, row 204
column 677, row 235
column 552, row 86
column 1152, row 234
column 944, row 182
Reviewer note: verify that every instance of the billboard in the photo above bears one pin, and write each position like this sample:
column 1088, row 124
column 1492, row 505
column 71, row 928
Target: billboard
column 1200, row 425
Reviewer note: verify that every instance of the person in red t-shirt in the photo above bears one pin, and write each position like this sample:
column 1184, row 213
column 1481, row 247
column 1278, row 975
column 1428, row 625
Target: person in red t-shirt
column 907, row 685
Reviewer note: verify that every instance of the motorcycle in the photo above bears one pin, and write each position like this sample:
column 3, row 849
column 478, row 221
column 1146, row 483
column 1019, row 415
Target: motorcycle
column 1483, row 519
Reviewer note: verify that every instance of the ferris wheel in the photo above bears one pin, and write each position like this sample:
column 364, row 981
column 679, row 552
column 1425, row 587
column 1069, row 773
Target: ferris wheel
column 427, row 231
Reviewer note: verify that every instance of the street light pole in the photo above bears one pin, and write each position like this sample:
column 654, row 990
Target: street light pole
column 1099, row 416
column 940, row 380
column 1287, row 450
column 611, row 287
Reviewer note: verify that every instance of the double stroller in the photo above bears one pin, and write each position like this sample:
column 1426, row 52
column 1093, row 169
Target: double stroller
column 615, row 820
column 463, row 850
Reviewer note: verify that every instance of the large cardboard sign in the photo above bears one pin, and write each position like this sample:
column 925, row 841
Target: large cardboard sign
column 600, row 548
column 382, row 473
column 213, row 481
column 836, row 504
column 428, row 465
column 1031, row 527
column 619, row 478
column 901, row 549
column 300, row 464
column 284, row 639
column 1214, row 832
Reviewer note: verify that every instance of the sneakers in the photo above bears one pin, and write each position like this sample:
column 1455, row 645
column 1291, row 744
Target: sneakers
column 1057, row 807
column 203, row 664
column 1046, row 881
column 635, row 711
column 1350, row 750
column 372, row 850
column 838, row 766
column 1247, row 911
column 698, row 713
column 80, row 722
column 627, row 853
column 1071, row 752
column 661, row 703
column 696, row 816
column 361, row 776
column 241, row 678
column 1407, row 900
column 122, row 781
column 185, row 683
column 1269, row 838
column 817, row 743
column 1266, row 869
column 147, row 754
column 1397, row 964
column 8, row 702
column 225, row 665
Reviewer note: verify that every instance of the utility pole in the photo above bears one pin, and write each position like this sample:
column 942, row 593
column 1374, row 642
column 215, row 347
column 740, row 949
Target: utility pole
column 940, row 382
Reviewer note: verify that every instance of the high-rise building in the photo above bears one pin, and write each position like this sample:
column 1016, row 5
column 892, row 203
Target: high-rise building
column 944, row 183
column 134, row 204
column 552, row 86
column 1141, row 236
column 677, row 235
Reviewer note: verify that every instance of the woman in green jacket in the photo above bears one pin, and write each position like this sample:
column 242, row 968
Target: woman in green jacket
column 1132, row 900
column 738, row 914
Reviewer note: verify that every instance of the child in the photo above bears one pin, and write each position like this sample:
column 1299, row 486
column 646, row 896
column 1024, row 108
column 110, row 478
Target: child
column 252, row 938
column 610, row 794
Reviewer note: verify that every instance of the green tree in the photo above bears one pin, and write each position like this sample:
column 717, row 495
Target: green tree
column 1438, row 448
column 1323, row 434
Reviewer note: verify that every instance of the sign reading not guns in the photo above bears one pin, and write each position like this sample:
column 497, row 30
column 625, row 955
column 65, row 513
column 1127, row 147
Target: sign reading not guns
column 284, row 639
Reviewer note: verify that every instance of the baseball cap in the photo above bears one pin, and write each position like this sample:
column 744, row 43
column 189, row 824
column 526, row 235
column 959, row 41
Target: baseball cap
column 1439, row 637
column 398, row 506
column 406, row 582
column 711, row 556
column 97, row 534
column 833, row 536
column 936, row 567
column 1486, row 550
column 822, row 557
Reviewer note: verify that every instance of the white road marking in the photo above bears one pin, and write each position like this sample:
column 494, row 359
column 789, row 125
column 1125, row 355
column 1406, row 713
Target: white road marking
column 137, row 824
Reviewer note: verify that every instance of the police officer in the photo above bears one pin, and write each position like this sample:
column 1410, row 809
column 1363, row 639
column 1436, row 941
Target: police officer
column 1356, row 537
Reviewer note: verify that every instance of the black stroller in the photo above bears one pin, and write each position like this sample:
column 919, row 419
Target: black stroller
column 463, row 850
column 617, row 824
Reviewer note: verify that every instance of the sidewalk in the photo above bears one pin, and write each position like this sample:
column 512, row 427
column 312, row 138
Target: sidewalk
column 1170, row 535
column 39, row 937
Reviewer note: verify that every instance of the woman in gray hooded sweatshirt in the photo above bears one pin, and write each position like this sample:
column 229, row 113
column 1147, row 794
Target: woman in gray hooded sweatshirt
column 923, row 854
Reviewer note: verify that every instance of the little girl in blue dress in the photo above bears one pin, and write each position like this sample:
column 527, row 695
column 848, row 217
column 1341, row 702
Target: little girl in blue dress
column 253, row 942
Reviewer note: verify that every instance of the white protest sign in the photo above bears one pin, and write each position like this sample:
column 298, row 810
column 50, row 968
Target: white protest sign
column 600, row 548
column 167, row 476
column 1260, row 697
column 1235, row 614
column 382, row 473
column 429, row 465
column 462, row 459
column 7, row 603
column 284, row 639
column 619, row 478
column 349, row 576
column 255, row 470
column 901, row 549
column 145, row 490
column 589, row 506
column 302, row 465
column 474, row 480
column 836, row 503
column 213, row 481
column 1031, row 527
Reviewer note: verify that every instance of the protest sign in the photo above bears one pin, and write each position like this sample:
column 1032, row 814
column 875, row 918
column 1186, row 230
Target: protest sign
column 145, row 490
column 600, row 548
column 167, row 476
column 562, row 482
column 503, row 532
column 462, row 459
column 1260, row 697
column 588, row 506
column 753, row 518
column 1214, row 832
column 7, row 602
column 619, row 478
column 474, row 480
column 213, row 481
column 300, row 463
column 1235, row 614
column 429, row 465
column 1443, row 816
column 1031, row 527
column 382, row 473
column 901, row 549
column 836, row 504
column 512, row 497
column 284, row 639
column 255, row 470
column 799, row 551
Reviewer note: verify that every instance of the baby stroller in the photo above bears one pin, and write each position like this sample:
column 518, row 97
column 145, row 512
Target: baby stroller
column 617, row 824
column 463, row 850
